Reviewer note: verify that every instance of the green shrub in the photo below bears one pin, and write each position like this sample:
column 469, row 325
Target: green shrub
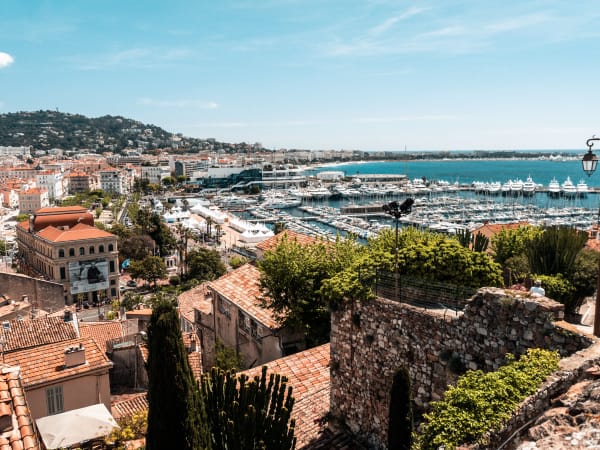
column 484, row 401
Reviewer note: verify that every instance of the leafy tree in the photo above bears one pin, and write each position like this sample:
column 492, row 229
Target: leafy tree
column 292, row 276
column 136, row 247
column 176, row 412
column 512, row 242
column 150, row 269
column 249, row 414
column 120, row 230
column 237, row 261
column 204, row 264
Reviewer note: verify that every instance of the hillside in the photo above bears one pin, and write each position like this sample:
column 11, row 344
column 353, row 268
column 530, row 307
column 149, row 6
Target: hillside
column 45, row 130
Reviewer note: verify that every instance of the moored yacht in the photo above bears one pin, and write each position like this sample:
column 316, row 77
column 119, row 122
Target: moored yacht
column 553, row 188
column 582, row 188
column 528, row 187
column 568, row 189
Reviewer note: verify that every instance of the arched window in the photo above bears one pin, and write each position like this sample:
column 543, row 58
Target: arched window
column 101, row 248
column 61, row 253
column 92, row 250
column 81, row 251
column 71, row 252
column 111, row 247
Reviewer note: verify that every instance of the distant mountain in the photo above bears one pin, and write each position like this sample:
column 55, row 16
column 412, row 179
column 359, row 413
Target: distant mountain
column 45, row 130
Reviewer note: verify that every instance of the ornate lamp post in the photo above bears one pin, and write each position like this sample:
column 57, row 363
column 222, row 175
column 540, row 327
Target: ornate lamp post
column 396, row 210
column 589, row 163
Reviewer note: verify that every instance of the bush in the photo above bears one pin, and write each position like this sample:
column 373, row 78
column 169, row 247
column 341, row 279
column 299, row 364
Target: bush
column 484, row 401
column 237, row 261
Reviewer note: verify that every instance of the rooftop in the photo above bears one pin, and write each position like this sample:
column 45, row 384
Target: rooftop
column 240, row 286
column 45, row 364
column 101, row 332
column 79, row 232
column 290, row 235
column 24, row 334
column 16, row 425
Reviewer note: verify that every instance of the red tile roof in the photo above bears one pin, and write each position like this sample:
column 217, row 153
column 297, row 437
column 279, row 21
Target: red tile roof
column 302, row 239
column 16, row 425
column 54, row 210
column 45, row 364
column 196, row 298
column 308, row 374
column 28, row 333
column 101, row 332
column 240, row 286
column 125, row 406
column 79, row 232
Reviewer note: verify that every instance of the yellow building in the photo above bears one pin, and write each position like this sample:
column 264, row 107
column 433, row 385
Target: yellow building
column 63, row 245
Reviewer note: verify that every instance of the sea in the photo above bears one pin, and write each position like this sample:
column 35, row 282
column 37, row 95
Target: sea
column 465, row 171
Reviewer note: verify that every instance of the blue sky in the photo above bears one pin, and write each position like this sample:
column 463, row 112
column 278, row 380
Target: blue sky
column 315, row 74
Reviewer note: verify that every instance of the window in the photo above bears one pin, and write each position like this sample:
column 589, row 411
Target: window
column 112, row 266
column 81, row 251
column 92, row 250
column 54, row 399
column 61, row 253
column 111, row 248
column 101, row 248
column 71, row 252
column 63, row 273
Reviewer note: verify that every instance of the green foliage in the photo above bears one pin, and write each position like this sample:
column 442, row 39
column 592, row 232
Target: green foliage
column 480, row 243
column 519, row 268
column 204, row 264
column 249, row 415
column 554, row 250
column 176, row 414
column 22, row 217
column 464, row 237
column 130, row 428
column 484, row 401
column 227, row 358
column 558, row 288
column 400, row 426
column 150, row 269
column 584, row 275
column 512, row 242
column 136, row 247
column 292, row 276
column 237, row 261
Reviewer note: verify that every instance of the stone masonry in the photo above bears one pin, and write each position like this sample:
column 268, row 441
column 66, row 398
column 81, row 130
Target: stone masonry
column 371, row 340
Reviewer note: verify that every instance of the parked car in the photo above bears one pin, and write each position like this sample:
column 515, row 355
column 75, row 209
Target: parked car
column 131, row 283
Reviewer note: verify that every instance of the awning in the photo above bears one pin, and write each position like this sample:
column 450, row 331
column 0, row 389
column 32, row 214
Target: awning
column 76, row 426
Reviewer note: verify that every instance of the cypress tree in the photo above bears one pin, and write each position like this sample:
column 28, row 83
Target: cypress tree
column 400, row 424
column 176, row 414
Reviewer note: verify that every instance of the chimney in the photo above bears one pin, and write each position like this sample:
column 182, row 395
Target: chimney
column 74, row 356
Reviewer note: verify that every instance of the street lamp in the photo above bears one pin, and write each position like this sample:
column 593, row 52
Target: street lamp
column 396, row 210
column 589, row 163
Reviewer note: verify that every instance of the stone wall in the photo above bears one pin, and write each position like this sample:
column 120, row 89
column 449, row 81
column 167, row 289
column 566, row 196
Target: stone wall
column 371, row 340
column 45, row 295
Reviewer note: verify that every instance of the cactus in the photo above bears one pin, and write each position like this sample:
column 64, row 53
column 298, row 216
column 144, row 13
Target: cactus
column 249, row 414
column 464, row 237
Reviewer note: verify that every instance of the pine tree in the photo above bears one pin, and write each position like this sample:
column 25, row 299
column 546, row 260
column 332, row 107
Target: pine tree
column 176, row 414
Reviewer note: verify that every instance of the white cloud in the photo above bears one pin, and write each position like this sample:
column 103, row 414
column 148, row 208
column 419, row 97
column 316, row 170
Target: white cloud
column 5, row 60
column 178, row 103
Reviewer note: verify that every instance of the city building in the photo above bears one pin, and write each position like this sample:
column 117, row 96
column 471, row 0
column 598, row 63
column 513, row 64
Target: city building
column 114, row 181
column 63, row 245
column 33, row 199
column 155, row 174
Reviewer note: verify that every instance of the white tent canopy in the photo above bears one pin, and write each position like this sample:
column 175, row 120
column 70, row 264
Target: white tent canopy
column 75, row 426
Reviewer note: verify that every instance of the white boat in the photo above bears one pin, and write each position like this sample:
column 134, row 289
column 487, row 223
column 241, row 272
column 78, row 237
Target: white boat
column 506, row 188
column 516, row 187
column 568, row 189
column 554, row 188
column 582, row 188
column 528, row 187
column 494, row 188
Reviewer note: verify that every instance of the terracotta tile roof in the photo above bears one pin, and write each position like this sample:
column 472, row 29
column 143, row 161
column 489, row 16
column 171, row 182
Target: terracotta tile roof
column 240, row 286
column 24, row 334
column 124, row 406
column 308, row 374
column 34, row 191
column 489, row 230
column 16, row 425
column 101, row 332
column 139, row 314
column 53, row 210
column 195, row 360
column 79, row 232
column 271, row 243
column 45, row 364
column 196, row 298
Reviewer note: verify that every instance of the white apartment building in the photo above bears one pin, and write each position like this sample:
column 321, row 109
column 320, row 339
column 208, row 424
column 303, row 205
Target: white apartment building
column 53, row 182
column 155, row 174
column 113, row 180
column 33, row 199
